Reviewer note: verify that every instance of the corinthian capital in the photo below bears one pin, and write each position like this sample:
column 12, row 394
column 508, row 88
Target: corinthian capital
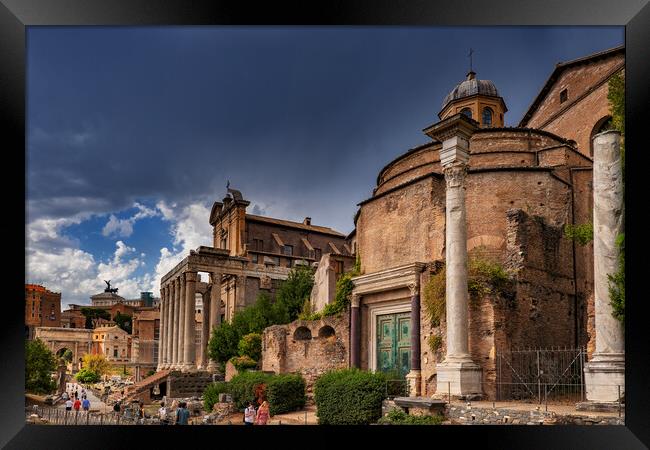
column 414, row 288
column 455, row 175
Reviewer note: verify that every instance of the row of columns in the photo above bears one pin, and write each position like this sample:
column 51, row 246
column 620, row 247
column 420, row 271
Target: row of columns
column 177, row 348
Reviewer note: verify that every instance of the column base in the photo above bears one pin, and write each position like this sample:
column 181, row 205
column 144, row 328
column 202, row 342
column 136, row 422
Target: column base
column 459, row 378
column 414, row 379
column 604, row 376
column 188, row 367
column 212, row 366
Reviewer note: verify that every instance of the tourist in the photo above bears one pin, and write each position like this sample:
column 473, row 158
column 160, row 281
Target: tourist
column 162, row 414
column 116, row 407
column 262, row 414
column 249, row 414
column 77, row 405
column 68, row 405
column 85, row 404
column 65, row 396
column 141, row 414
column 182, row 414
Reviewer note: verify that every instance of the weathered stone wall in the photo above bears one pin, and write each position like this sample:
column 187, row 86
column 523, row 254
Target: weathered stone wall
column 576, row 117
column 307, row 347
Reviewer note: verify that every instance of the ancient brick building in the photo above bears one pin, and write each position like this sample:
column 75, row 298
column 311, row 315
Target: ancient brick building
column 42, row 308
column 250, row 254
column 478, row 189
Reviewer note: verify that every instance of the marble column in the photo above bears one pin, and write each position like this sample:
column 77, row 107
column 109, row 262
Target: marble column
column 205, row 331
column 457, row 374
column 181, row 322
column 355, row 332
column 176, row 292
column 240, row 292
column 169, row 326
column 161, row 325
column 414, row 377
column 189, row 348
column 606, row 370
column 215, row 311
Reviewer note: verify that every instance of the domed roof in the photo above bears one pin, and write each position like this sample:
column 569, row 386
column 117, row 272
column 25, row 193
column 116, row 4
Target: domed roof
column 471, row 86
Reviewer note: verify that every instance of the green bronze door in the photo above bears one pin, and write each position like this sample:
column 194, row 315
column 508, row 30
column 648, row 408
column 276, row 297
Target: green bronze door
column 394, row 343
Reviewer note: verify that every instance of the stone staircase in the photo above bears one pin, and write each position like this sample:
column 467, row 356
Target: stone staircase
column 133, row 391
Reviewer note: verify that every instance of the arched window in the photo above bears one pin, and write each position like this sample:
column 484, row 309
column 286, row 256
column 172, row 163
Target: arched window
column 302, row 334
column 326, row 332
column 467, row 112
column 487, row 117
column 603, row 124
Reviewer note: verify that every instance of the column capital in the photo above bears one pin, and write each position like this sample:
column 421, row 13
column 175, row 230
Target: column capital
column 355, row 301
column 190, row 276
column 414, row 287
column 455, row 175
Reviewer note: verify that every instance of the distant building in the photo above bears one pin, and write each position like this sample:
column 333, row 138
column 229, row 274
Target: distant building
column 42, row 308
column 113, row 342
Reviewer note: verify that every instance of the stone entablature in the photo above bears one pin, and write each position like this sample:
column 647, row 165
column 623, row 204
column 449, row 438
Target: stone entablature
column 394, row 278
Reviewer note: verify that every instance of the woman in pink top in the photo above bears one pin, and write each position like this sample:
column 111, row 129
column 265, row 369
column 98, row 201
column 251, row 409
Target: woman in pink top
column 262, row 414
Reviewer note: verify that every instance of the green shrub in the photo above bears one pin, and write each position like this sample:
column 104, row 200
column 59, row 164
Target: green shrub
column 434, row 298
column 242, row 363
column 581, row 233
column 251, row 345
column 396, row 384
column 285, row 393
column 617, row 283
column 486, row 277
column 397, row 416
column 243, row 387
column 211, row 394
column 349, row 397
column 87, row 376
column 434, row 341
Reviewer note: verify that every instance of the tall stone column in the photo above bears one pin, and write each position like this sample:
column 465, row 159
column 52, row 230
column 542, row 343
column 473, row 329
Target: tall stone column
column 189, row 350
column 181, row 322
column 215, row 311
column 176, row 292
column 240, row 292
column 205, row 331
column 414, row 377
column 161, row 324
column 170, row 326
column 457, row 374
column 606, row 370
column 355, row 332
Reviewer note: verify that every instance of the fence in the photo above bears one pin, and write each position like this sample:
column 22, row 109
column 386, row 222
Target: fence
column 57, row 416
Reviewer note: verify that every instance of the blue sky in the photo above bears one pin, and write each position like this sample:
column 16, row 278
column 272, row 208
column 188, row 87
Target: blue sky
column 132, row 133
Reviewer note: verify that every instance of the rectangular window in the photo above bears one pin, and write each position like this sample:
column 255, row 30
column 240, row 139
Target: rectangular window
column 563, row 96
column 115, row 352
column 258, row 244
column 317, row 253
column 287, row 250
column 289, row 262
column 339, row 267
column 254, row 257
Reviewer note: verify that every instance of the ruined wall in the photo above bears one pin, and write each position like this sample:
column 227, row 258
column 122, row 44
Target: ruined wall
column 310, row 348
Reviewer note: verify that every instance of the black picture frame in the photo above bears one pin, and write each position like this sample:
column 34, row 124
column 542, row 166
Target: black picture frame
column 16, row 15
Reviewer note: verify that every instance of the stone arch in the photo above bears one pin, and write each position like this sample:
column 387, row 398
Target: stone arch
column 302, row 334
column 603, row 124
column 326, row 331
column 485, row 240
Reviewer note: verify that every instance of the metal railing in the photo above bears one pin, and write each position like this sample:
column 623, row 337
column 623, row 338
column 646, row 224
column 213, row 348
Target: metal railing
column 396, row 388
column 58, row 416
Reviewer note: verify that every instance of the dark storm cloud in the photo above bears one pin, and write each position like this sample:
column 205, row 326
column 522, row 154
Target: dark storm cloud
column 300, row 117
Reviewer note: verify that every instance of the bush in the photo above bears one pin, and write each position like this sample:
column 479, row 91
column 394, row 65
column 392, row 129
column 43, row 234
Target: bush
column 349, row 397
column 580, row 233
column 242, row 363
column 211, row 394
column 40, row 362
column 243, row 387
column 397, row 416
column 285, row 393
column 434, row 298
column 96, row 363
column 87, row 376
column 251, row 346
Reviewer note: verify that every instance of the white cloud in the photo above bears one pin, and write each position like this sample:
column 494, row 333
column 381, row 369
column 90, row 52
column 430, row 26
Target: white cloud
column 124, row 227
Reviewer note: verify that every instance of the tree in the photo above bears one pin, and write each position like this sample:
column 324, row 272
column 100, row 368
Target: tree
column 92, row 314
column 292, row 294
column 616, row 97
column 96, row 363
column 251, row 345
column 67, row 355
column 40, row 362
column 123, row 321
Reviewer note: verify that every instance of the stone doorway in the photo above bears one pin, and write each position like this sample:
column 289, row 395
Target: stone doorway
column 394, row 343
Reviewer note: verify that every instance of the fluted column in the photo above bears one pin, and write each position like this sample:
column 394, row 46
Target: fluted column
column 457, row 374
column 215, row 311
column 355, row 332
column 414, row 377
column 176, row 292
column 606, row 370
column 161, row 328
column 181, row 321
column 170, row 327
column 205, row 331
column 189, row 351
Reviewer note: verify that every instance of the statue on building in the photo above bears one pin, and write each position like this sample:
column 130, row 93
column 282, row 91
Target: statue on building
column 109, row 289
column 60, row 379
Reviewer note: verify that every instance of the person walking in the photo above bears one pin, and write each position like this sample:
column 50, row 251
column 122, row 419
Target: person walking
column 262, row 414
column 249, row 414
column 65, row 396
column 85, row 404
column 182, row 414
column 68, row 405
column 77, row 404
column 162, row 414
